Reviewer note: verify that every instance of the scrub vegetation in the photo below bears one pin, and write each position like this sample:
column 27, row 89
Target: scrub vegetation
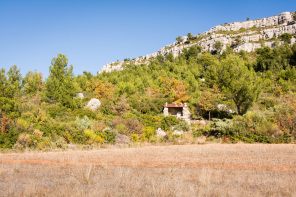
column 256, row 91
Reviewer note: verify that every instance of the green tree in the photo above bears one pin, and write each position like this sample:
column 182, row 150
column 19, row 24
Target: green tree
column 170, row 57
column 59, row 84
column 13, row 84
column 33, row 82
column 3, row 81
column 208, row 99
column 179, row 39
column 286, row 37
column 237, row 81
column 10, row 85
column 248, row 18
column 190, row 36
column 218, row 46
column 206, row 60
column 293, row 55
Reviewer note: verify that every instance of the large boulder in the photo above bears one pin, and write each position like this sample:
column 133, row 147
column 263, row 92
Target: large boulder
column 93, row 104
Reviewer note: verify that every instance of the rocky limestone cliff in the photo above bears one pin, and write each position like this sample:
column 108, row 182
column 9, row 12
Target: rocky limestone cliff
column 247, row 35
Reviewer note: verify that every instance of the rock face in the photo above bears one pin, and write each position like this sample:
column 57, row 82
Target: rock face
column 93, row 104
column 248, row 33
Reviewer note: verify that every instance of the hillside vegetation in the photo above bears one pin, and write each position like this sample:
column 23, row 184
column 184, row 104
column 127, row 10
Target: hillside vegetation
column 256, row 90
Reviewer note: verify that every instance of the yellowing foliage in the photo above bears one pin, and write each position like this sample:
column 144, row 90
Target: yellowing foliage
column 101, row 90
column 174, row 88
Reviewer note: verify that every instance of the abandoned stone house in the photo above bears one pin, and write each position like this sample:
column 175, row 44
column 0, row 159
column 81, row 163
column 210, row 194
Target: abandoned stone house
column 177, row 110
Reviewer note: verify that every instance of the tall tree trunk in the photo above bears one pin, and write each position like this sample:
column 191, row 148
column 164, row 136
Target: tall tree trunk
column 238, row 109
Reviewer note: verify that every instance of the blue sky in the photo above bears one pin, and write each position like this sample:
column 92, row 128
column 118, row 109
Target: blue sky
column 93, row 33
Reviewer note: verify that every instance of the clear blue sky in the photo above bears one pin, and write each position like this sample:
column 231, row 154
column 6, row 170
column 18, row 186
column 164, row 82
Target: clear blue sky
column 93, row 33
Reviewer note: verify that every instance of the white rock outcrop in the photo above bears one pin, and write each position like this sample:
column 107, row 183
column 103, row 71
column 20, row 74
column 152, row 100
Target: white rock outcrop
column 253, row 31
column 93, row 104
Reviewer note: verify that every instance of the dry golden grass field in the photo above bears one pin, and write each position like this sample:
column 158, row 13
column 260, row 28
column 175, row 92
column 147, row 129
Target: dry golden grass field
column 184, row 170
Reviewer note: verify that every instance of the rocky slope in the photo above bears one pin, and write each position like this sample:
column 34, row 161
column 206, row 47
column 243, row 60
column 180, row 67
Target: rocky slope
column 247, row 35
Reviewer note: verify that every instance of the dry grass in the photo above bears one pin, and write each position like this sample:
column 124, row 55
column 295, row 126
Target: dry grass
column 187, row 170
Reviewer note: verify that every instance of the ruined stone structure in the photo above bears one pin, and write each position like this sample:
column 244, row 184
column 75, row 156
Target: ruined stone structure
column 177, row 110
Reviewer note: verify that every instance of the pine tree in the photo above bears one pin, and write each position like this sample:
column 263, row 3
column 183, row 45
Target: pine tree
column 59, row 85
column 234, row 78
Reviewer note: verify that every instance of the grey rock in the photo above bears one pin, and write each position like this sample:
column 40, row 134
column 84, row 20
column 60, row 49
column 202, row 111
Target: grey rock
column 160, row 132
column 176, row 132
column 93, row 104
column 80, row 95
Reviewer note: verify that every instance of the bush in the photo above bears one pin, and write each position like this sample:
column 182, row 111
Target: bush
column 121, row 128
column 55, row 110
column 149, row 132
column 128, row 126
column 286, row 37
column 110, row 135
column 22, row 125
column 168, row 121
column 52, row 128
column 84, row 112
column 182, row 126
column 92, row 138
column 8, row 139
column 84, row 123
column 134, row 138
column 24, row 140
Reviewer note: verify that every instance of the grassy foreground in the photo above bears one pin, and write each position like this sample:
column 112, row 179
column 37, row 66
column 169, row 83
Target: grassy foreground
column 186, row 170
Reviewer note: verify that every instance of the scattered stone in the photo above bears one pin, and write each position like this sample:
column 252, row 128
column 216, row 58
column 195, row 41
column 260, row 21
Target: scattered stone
column 221, row 107
column 160, row 132
column 93, row 104
column 201, row 122
column 80, row 95
column 176, row 132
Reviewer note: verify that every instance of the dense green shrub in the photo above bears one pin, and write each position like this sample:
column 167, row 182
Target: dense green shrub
column 110, row 135
column 84, row 123
column 149, row 132
column 182, row 126
column 168, row 121
column 136, row 106
column 8, row 139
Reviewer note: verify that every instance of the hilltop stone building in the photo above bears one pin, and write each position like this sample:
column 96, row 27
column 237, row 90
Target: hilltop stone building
column 177, row 110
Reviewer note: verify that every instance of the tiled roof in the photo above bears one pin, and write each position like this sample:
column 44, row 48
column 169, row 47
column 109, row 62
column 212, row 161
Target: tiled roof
column 173, row 105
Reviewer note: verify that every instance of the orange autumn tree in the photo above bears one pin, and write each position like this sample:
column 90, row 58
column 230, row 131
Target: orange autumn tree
column 4, row 121
column 174, row 89
column 101, row 90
